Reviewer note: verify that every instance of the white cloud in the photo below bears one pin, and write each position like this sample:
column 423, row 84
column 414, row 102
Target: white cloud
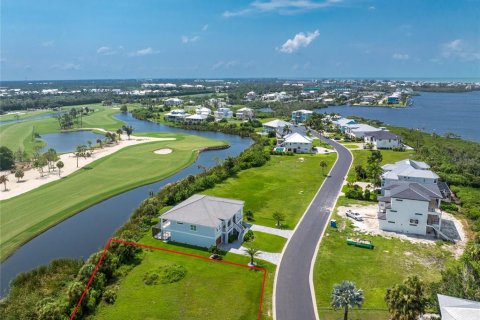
column 144, row 52
column 224, row 64
column 300, row 40
column 66, row 66
column 205, row 27
column 400, row 56
column 459, row 49
column 372, row 8
column 282, row 7
column 106, row 51
column 48, row 43
column 186, row 39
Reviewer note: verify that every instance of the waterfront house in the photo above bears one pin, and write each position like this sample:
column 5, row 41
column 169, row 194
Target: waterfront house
column 358, row 131
column 300, row 116
column 276, row 124
column 173, row 102
column 202, row 221
column 203, row 111
column 223, row 113
column 411, row 208
column 298, row 143
column 176, row 115
column 382, row 139
column 406, row 171
column 245, row 114
column 342, row 123
column 195, row 119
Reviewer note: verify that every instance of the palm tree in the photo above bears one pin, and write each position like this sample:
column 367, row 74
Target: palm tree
column 119, row 132
column 81, row 151
column 346, row 295
column 279, row 217
column 252, row 252
column 407, row 301
column 4, row 180
column 286, row 129
column 128, row 130
column 59, row 166
column 323, row 165
column 19, row 174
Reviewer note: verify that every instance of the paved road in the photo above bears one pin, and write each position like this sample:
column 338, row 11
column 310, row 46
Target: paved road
column 293, row 298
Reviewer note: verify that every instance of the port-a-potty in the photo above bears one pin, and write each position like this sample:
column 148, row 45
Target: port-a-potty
column 333, row 223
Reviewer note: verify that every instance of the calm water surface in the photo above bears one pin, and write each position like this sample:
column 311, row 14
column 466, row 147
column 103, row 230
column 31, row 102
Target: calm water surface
column 458, row 113
column 89, row 230
column 64, row 142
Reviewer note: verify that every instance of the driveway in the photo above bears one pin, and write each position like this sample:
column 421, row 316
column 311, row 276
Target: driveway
column 293, row 295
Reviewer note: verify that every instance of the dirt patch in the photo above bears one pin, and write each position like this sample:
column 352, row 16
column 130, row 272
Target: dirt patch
column 370, row 225
column 163, row 151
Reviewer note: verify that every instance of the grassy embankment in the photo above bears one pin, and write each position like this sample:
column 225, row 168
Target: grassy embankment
column 29, row 214
column 19, row 135
column 392, row 261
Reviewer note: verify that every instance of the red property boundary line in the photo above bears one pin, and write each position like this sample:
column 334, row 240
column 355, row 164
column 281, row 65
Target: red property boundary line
column 169, row 251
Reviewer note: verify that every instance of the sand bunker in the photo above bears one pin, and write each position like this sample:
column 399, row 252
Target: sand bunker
column 163, row 151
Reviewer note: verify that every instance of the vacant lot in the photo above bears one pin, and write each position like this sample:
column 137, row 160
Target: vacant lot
column 392, row 261
column 285, row 184
column 27, row 215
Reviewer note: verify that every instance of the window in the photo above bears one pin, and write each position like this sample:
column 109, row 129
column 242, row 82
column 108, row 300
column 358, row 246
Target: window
column 193, row 227
column 414, row 221
column 178, row 222
column 391, row 221
column 418, row 214
column 398, row 200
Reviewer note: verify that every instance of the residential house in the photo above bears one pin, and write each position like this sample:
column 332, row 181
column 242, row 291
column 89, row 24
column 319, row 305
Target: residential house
column 358, row 131
column 382, row 139
column 176, row 115
column 406, row 171
column 250, row 96
column 202, row 221
column 410, row 208
column 452, row 308
column 274, row 125
column 173, row 102
column 394, row 98
column 300, row 116
column 298, row 143
column 223, row 113
column 195, row 118
column 203, row 111
column 342, row 123
column 245, row 114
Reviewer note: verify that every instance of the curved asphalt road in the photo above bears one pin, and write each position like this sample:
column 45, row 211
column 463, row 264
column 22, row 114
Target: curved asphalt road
column 293, row 297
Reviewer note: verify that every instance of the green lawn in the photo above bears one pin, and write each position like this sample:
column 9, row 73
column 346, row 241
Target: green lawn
column 284, row 184
column 389, row 156
column 353, row 314
column 27, row 215
column 19, row 135
column 375, row 270
column 266, row 242
column 24, row 115
column 209, row 290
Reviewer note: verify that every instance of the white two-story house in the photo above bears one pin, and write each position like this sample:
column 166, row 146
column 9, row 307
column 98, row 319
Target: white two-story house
column 202, row 221
column 410, row 208
column 223, row 113
column 382, row 139
column 298, row 143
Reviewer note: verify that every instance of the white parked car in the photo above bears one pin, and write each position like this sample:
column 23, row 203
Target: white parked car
column 354, row 215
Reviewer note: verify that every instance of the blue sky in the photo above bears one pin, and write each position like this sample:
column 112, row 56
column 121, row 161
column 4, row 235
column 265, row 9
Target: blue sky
column 88, row 39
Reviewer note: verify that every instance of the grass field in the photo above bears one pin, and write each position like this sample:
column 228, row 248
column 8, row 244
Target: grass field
column 266, row 242
column 392, row 261
column 19, row 135
column 389, row 156
column 24, row 115
column 284, row 184
column 209, row 290
column 27, row 215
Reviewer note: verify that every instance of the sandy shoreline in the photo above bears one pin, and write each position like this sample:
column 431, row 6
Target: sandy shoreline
column 32, row 179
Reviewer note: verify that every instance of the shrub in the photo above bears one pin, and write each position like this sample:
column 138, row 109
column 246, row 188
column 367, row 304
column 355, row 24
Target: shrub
column 110, row 295
column 172, row 273
column 232, row 238
column 249, row 215
column 150, row 278
column 248, row 236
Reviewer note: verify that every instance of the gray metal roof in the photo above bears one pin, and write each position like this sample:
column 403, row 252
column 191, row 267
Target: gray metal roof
column 204, row 210
column 416, row 191
column 453, row 308
column 382, row 135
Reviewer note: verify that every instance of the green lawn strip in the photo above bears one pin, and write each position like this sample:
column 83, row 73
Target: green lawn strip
column 392, row 261
column 266, row 242
column 389, row 156
column 354, row 314
column 24, row 115
column 351, row 146
column 210, row 290
column 284, row 184
column 27, row 215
